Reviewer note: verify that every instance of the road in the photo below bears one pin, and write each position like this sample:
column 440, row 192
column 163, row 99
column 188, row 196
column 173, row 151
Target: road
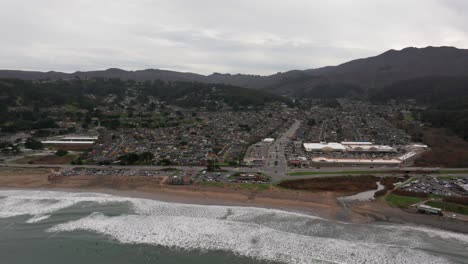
column 276, row 164
column 277, row 173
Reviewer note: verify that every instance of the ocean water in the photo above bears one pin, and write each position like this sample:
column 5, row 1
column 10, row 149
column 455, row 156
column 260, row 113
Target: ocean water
column 64, row 227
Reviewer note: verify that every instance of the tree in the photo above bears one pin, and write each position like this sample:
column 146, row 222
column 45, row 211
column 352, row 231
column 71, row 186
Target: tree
column 32, row 143
column 212, row 166
column 164, row 162
column 9, row 148
column 147, row 157
column 77, row 161
column 151, row 107
column 61, row 153
column 129, row 159
column 311, row 122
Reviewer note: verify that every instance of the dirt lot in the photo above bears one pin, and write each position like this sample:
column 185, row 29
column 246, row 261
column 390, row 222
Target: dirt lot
column 345, row 185
column 51, row 159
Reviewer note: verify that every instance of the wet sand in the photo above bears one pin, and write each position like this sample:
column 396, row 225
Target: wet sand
column 322, row 204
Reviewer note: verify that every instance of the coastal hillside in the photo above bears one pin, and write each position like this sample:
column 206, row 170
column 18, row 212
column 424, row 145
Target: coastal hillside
column 366, row 74
column 20, row 100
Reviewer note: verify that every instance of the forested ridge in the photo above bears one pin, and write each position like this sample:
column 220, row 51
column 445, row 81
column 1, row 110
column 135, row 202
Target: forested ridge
column 446, row 99
column 26, row 105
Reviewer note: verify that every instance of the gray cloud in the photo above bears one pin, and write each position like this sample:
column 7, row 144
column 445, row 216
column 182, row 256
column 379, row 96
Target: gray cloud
column 203, row 36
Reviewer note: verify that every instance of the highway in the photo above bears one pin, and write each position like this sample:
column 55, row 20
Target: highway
column 277, row 173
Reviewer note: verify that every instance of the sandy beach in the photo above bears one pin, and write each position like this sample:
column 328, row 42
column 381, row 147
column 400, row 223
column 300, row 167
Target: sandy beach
column 322, row 204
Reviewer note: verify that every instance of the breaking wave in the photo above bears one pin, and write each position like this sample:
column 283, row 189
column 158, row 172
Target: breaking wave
column 265, row 234
column 37, row 219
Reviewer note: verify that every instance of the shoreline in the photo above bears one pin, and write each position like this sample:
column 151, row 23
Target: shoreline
column 320, row 204
column 369, row 212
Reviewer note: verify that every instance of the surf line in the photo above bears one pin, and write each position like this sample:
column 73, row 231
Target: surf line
column 51, row 236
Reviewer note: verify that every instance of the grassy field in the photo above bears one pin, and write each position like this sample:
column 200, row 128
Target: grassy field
column 402, row 201
column 304, row 173
column 254, row 187
column 449, row 177
column 453, row 172
column 451, row 207
column 357, row 172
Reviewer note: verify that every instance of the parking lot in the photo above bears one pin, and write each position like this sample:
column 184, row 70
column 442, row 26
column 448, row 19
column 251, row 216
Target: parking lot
column 445, row 186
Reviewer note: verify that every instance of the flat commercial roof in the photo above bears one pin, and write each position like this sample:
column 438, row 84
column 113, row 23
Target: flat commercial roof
column 355, row 143
column 419, row 146
column 347, row 146
column 80, row 138
column 324, row 146
column 357, row 161
column 68, row 142
column 378, row 148
column 407, row 155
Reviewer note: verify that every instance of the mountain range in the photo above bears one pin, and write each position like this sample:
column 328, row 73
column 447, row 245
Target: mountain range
column 356, row 76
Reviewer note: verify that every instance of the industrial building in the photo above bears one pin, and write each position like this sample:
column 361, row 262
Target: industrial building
column 334, row 162
column 366, row 147
column 71, row 143
column 386, row 160
column 324, row 147
column 355, row 147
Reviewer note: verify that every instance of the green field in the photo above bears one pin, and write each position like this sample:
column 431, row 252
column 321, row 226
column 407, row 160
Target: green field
column 304, row 173
column 451, row 207
column 244, row 186
column 254, row 186
column 402, row 201
column 449, row 177
column 453, row 172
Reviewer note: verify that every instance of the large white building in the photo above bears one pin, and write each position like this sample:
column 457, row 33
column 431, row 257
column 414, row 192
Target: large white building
column 332, row 161
column 324, row 147
column 347, row 146
column 368, row 148
column 71, row 143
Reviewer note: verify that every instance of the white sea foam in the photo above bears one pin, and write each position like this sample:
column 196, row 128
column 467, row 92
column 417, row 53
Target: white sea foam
column 37, row 219
column 241, row 238
column 259, row 233
column 430, row 232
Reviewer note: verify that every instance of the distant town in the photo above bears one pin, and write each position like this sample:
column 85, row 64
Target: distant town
column 159, row 133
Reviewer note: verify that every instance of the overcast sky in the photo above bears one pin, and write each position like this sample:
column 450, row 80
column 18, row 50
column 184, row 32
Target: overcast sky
column 205, row 36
